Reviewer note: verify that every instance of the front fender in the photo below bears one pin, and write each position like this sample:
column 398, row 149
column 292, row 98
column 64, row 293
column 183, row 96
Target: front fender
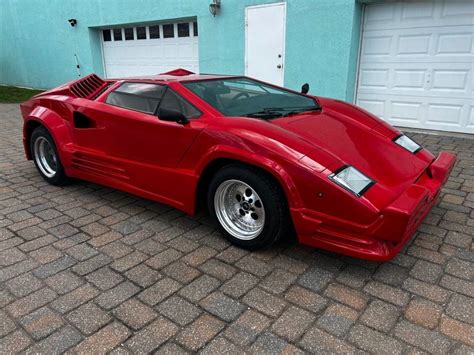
column 56, row 126
column 275, row 169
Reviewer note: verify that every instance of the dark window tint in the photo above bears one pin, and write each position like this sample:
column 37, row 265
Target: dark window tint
column 128, row 34
column 106, row 35
column 183, row 29
column 141, row 32
column 168, row 31
column 173, row 101
column 154, row 31
column 118, row 34
column 137, row 96
column 195, row 28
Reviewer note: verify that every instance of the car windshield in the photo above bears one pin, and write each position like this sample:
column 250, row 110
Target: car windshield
column 251, row 98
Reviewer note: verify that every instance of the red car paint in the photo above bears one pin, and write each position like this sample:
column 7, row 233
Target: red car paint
column 164, row 161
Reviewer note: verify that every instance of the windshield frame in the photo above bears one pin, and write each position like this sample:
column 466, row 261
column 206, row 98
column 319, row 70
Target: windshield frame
column 317, row 105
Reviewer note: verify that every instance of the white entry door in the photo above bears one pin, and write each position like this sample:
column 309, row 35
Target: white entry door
column 150, row 49
column 417, row 64
column 265, row 42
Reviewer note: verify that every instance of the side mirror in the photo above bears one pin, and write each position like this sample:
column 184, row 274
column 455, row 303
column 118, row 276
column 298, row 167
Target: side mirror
column 165, row 114
column 305, row 88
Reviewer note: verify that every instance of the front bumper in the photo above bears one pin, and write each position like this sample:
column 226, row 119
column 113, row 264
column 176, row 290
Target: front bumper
column 395, row 225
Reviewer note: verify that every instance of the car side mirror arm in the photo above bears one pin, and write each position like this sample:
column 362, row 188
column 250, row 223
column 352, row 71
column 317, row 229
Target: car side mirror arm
column 165, row 114
column 305, row 88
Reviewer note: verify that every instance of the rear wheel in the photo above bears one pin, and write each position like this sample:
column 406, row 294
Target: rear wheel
column 46, row 158
column 248, row 207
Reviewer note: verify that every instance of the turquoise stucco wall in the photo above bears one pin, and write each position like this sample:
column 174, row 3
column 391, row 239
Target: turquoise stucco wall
column 37, row 45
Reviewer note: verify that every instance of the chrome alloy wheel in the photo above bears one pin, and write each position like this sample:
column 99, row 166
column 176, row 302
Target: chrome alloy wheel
column 45, row 157
column 239, row 209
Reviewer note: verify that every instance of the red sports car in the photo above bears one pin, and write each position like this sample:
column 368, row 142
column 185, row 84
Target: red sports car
column 267, row 161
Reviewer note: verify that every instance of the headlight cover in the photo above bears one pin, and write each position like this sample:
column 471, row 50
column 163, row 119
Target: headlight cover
column 352, row 179
column 407, row 143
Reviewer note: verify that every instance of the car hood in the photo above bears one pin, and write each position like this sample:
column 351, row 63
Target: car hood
column 360, row 143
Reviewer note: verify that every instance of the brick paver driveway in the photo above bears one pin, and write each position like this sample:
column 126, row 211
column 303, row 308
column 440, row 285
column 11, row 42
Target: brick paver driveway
column 90, row 269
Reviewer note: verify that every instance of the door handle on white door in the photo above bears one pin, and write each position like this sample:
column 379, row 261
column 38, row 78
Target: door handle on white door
column 279, row 66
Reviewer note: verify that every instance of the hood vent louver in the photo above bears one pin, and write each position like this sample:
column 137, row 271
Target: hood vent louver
column 88, row 86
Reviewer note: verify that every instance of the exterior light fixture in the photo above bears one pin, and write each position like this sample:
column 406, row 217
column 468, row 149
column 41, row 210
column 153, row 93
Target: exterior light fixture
column 72, row 22
column 214, row 7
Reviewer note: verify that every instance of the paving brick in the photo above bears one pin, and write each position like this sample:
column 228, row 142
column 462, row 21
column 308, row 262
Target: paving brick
column 104, row 239
column 152, row 336
column 46, row 254
column 387, row 293
column 37, row 243
column 94, row 263
column 220, row 346
column 104, row 340
column 14, row 342
column 293, row 323
column 81, row 252
column 88, row 318
column 315, row 279
column 423, row 312
column 348, row 296
column 201, row 331
column 305, row 298
column 164, row 258
column 247, row 327
column 380, row 315
column 239, row 285
column 254, row 266
column 143, row 275
column 318, row 341
column 7, row 325
column 23, row 285
column 199, row 256
column 54, row 267
column 179, row 310
column 373, row 341
column 427, row 340
column 64, row 282
column 150, row 247
column 115, row 296
column 199, row 288
column 428, row 255
column 354, row 276
column 31, row 302
column 11, row 256
column 457, row 330
column 458, row 285
column 272, row 344
column 458, row 239
column 181, row 272
column 135, row 314
column 104, row 278
column 74, row 299
column 232, row 254
column 159, row 291
column 222, row 306
column 426, row 271
column 337, row 319
column 460, row 268
column 129, row 261
column 172, row 349
column 218, row 269
column 431, row 292
column 278, row 281
column 41, row 323
column 264, row 302
column 461, row 308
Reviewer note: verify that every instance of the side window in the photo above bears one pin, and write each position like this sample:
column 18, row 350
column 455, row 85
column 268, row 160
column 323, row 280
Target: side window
column 137, row 96
column 173, row 101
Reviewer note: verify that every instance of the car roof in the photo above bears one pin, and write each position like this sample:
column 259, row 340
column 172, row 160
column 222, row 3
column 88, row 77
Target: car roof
column 177, row 75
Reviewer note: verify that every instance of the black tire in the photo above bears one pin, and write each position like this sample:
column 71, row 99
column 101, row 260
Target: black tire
column 59, row 177
column 277, row 222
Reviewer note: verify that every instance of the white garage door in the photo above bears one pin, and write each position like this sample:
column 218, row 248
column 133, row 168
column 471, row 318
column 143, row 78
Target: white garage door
column 417, row 64
column 150, row 50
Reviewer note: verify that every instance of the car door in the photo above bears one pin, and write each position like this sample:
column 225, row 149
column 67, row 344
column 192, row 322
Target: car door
column 146, row 148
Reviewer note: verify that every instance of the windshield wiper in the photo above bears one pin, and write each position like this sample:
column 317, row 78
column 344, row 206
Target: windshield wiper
column 295, row 109
column 265, row 113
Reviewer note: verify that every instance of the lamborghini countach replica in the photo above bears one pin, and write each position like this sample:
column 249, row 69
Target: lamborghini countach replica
column 266, row 161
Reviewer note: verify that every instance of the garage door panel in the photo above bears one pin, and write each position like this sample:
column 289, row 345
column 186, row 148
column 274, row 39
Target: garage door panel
column 417, row 62
column 151, row 56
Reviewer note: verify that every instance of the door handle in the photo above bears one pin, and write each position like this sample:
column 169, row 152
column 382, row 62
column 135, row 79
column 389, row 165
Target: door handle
column 279, row 66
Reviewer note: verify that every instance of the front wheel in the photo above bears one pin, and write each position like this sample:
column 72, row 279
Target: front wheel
column 46, row 158
column 248, row 206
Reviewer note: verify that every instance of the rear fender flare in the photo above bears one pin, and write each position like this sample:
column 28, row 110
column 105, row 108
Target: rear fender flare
column 55, row 125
